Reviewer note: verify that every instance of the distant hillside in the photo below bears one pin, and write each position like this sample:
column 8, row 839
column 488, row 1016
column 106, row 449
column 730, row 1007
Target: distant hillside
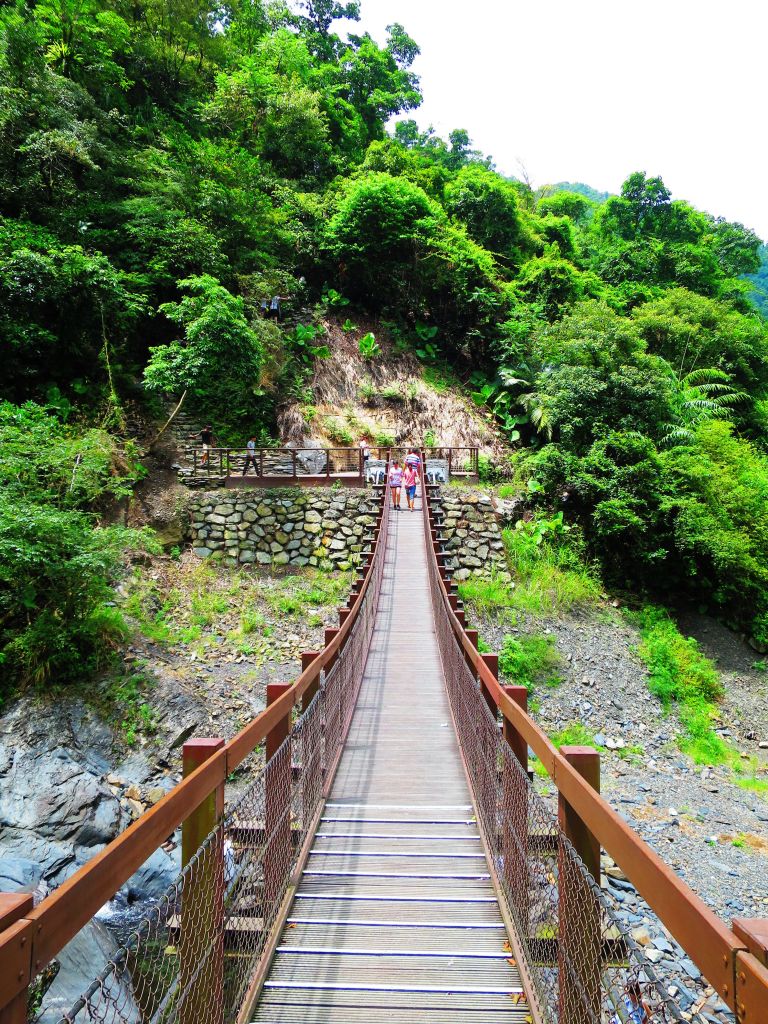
column 759, row 294
column 582, row 189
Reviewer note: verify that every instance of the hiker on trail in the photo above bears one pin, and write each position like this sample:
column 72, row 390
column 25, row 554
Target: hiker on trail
column 265, row 307
column 274, row 307
column 395, row 482
column 207, row 438
column 250, row 456
column 410, row 477
column 412, row 459
column 365, row 455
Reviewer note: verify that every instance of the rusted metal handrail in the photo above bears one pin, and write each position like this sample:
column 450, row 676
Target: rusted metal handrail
column 31, row 938
column 723, row 957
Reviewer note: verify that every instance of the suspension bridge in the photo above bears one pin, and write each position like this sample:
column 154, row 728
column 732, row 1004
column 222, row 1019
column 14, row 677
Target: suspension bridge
column 388, row 857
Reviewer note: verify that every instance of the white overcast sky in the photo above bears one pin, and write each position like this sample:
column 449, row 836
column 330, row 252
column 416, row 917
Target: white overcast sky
column 592, row 90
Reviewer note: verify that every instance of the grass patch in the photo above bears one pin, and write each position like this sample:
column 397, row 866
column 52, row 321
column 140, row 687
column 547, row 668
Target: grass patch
column 552, row 575
column 508, row 491
column 393, row 392
column 575, row 734
column 753, row 783
column 489, row 596
column 530, row 661
column 126, row 695
column 293, row 594
column 440, row 379
column 683, row 677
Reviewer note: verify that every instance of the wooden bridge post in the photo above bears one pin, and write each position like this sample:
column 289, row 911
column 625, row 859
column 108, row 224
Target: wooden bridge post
column 277, row 807
column 580, row 935
column 201, row 940
column 515, row 826
column 307, row 657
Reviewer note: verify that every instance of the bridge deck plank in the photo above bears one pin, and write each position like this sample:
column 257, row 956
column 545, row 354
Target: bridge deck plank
column 395, row 917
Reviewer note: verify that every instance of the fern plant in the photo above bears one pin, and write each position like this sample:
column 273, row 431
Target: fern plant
column 701, row 395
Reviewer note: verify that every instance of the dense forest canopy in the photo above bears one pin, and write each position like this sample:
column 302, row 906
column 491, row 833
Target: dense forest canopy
column 165, row 166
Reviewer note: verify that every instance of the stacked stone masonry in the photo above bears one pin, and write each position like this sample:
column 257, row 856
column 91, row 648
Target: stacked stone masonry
column 287, row 526
column 472, row 535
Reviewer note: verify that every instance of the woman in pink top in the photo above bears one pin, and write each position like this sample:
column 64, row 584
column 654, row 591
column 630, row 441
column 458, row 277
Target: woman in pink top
column 409, row 482
column 395, row 482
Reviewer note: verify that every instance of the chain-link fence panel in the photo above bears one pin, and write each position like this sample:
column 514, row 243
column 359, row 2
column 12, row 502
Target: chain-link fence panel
column 580, row 962
column 198, row 956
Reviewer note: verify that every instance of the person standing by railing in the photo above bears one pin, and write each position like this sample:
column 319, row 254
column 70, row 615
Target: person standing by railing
column 250, row 456
column 395, row 483
column 365, row 456
column 207, row 438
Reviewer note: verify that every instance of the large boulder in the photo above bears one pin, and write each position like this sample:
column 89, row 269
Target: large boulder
column 154, row 876
column 80, row 963
column 55, row 810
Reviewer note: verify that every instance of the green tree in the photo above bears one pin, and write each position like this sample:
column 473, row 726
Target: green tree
column 220, row 356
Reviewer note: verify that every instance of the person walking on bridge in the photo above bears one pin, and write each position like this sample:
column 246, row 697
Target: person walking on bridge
column 413, row 459
column 395, row 483
column 410, row 476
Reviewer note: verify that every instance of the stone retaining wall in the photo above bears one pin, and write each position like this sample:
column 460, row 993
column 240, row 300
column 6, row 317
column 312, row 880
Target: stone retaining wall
column 472, row 534
column 285, row 526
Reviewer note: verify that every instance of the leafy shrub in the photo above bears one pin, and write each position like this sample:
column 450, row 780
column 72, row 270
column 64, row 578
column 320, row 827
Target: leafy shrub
column 337, row 431
column 369, row 347
column 56, row 569
column 57, row 566
column 551, row 569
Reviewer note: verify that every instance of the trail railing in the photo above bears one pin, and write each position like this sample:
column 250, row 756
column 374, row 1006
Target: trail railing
column 200, row 955
column 278, row 467
column 580, row 964
column 313, row 467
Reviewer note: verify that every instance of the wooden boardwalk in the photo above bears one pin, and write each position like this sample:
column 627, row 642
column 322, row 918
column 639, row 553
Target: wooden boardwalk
column 395, row 918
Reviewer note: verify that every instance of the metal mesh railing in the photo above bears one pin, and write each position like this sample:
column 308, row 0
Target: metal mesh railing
column 580, row 962
column 198, row 956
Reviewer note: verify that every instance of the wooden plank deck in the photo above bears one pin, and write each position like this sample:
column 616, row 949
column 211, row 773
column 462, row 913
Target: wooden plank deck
column 395, row 918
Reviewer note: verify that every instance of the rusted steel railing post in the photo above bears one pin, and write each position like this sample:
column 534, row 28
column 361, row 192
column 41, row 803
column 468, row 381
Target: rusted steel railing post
column 277, row 807
column 580, row 934
column 16, row 975
column 514, row 816
column 201, row 941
